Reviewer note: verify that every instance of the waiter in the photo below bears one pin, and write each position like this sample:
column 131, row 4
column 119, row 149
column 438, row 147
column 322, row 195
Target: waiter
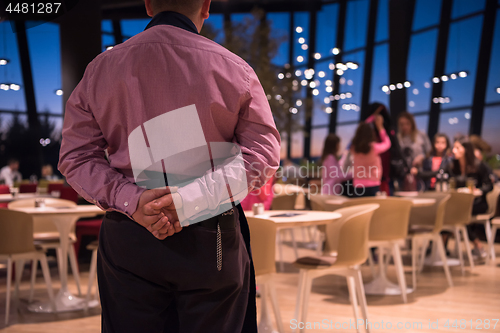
column 170, row 107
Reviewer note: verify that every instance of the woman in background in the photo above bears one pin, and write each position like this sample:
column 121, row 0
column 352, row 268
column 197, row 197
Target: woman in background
column 331, row 171
column 466, row 165
column 414, row 144
column 438, row 160
column 365, row 149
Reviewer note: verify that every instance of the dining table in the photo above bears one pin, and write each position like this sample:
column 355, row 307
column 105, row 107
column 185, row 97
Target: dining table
column 64, row 219
column 7, row 197
column 291, row 219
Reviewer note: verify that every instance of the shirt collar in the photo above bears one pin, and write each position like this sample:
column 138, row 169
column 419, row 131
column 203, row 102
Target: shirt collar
column 175, row 19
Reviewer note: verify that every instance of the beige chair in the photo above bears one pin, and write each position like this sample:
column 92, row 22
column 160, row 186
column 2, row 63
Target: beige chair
column 457, row 216
column 388, row 228
column 16, row 245
column 285, row 201
column 350, row 234
column 496, row 225
column 94, row 246
column 263, row 244
column 426, row 224
column 46, row 236
column 492, row 199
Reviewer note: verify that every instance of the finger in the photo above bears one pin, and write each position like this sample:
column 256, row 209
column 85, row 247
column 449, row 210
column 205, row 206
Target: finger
column 160, row 224
column 147, row 221
column 177, row 226
column 162, row 202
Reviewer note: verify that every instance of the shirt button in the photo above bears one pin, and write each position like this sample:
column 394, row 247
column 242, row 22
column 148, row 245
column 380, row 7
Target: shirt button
column 196, row 208
column 125, row 204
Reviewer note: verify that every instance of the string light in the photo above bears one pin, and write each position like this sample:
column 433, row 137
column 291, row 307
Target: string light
column 407, row 84
column 321, row 74
column 340, row 72
column 392, row 87
column 462, row 74
column 109, row 47
column 317, row 56
column 304, row 47
column 300, row 58
column 312, row 85
column 350, row 82
column 315, row 92
column 453, row 76
column 329, row 89
column 441, row 100
column 298, row 72
column 299, row 30
column 303, row 83
column 350, row 106
column 453, row 121
column 302, row 40
column 467, row 115
column 498, row 90
column 281, row 76
column 3, row 61
column 427, row 85
column 411, row 104
column 328, row 110
column 293, row 110
column 328, row 83
column 10, row 86
column 335, row 51
column 444, row 78
column 45, row 142
column 331, row 66
column 415, row 91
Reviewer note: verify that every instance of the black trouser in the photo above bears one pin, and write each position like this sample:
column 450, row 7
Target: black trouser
column 148, row 285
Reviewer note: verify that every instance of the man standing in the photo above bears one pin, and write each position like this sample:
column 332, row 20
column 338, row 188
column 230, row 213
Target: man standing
column 167, row 105
column 10, row 173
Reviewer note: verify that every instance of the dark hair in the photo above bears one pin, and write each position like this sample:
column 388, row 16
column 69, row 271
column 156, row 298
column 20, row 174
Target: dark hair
column 384, row 113
column 439, row 135
column 190, row 6
column 12, row 161
column 365, row 135
column 411, row 119
column 331, row 146
column 470, row 157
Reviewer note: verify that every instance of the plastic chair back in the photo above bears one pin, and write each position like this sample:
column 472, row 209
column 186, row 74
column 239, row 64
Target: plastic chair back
column 349, row 235
column 492, row 199
column 390, row 221
column 16, row 232
column 459, row 209
column 284, row 202
column 426, row 216
column 4, row 189
column 263, row 245
column 27, row 188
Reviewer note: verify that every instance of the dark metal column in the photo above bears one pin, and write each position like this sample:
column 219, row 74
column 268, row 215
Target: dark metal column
column 483, row 67
column 439, row 66
column 291, row 102
column 117, row 32
column 80, row 35
column 370, row 44
column 338, row 58
column 309, row 107
column 400, row 24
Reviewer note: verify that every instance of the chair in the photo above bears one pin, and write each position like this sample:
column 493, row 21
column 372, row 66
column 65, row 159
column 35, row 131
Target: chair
column 27, row 188
column 285, row 201
column 4, row 189
column 263, row 244
column 457, row 216
column 86, row 227
column 492, row 199
column 350, row 238
column 388, row 228
column 496, row 224
column 55, row 186
column 68, row 193
column 426, row 224
column 94, row 246
column 46, row 236
column 16, row 245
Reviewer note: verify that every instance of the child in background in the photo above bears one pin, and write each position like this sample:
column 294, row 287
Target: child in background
column 331, row 171
column 366, row 157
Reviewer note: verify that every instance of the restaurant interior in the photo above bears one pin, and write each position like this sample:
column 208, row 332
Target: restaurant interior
column 415, row 251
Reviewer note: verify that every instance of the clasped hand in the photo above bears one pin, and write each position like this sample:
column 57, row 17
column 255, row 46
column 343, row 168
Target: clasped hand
column 157, row 213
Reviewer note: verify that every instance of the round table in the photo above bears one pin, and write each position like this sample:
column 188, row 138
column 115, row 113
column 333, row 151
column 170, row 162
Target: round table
column 64, row 219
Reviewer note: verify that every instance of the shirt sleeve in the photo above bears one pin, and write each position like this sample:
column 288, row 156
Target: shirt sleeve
column 82, row 156
column 383, row 146
column 259, row 140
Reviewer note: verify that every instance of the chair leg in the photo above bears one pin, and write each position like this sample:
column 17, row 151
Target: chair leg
column 358, row 279
column 442, row 254
column 294, row 243
column 353, row 297
column 371, row 262
column 48, row 282
column 489, row 240
column 425, row 244
column 276, row 309
column 307, row 293
column 92, row 274
column 280, row 249
column 493, row 236
column 398, row 262
column 34, row 267
column 19, row 274
column 414, row 256
column 465, row 235
column 300, row 295
column 9, row 281
column 74, row 267
column 458, row 241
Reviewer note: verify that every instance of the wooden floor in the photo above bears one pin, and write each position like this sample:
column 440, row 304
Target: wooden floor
column 475, row 296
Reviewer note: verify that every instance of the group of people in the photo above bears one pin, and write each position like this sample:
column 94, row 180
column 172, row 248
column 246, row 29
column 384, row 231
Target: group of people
column 10, row 174
column 380, row 160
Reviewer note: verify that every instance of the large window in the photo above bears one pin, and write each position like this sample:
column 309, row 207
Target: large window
column 427, row 13
column 493, row 88
column 453, row 123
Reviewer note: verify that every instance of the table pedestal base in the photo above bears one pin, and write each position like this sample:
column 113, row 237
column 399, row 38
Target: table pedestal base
column 65, row 301
column 382, row 286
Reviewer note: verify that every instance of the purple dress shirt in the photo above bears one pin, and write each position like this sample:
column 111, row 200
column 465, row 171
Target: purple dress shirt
column 162, row 69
